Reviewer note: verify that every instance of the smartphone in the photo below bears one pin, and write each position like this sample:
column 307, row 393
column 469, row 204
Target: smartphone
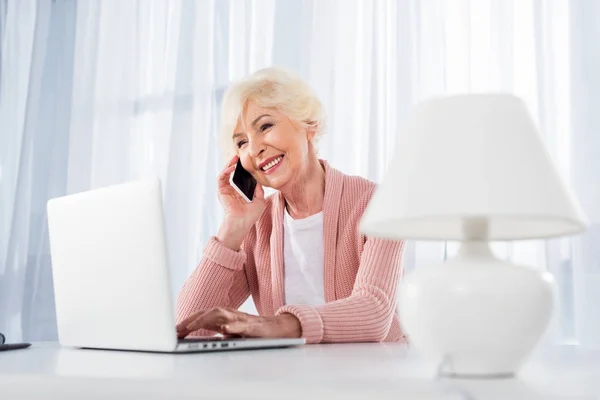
column 14, row 346
column 243, row 182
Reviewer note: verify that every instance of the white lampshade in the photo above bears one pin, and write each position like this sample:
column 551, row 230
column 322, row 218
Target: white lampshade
column 472, row 158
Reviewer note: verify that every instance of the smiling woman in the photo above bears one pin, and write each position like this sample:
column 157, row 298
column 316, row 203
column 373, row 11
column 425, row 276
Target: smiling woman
column 271, row 89
column 299, row 252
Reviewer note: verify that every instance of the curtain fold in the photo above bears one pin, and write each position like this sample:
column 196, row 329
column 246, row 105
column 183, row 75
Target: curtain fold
column 34, row 114
column 584, row 145
column 97, row 93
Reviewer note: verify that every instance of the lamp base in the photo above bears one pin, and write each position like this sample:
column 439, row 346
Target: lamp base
column 476, row 315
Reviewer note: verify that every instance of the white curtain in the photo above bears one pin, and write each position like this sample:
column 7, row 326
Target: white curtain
column 115, row 91
column 26, row 145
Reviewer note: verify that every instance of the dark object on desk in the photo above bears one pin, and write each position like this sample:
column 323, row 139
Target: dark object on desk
column 11, row 346
column 14, row 346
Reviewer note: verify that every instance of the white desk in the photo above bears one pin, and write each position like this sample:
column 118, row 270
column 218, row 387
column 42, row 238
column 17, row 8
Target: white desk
column 365, row 371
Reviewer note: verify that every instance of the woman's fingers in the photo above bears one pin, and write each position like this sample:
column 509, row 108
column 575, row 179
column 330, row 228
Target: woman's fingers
column 235, row 328
column 259, row 192
column 182, row 333
column 181, row 327
column 227, row 190
column 224, row 176
column 243, row 329
column 232, row 195
column 231, row 322
column 232, row 161
column 214, row 319
column 202, row 322
column 228, row 322
column 203, row 319
column 185, row 322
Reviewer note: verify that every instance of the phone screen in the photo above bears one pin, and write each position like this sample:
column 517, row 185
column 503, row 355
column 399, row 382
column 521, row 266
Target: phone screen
column 244, row 181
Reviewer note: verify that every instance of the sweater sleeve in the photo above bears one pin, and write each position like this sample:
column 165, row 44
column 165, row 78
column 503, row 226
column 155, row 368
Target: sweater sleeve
column 366, row 315
column 218, row 281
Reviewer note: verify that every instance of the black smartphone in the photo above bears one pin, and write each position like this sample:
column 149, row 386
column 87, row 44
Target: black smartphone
column 14, row 346
column 243, row 182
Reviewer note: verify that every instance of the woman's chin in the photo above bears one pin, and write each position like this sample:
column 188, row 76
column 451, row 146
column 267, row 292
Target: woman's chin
column 276, row 182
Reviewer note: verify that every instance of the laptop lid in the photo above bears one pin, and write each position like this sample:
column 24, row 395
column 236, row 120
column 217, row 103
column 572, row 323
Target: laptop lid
column 110, row 269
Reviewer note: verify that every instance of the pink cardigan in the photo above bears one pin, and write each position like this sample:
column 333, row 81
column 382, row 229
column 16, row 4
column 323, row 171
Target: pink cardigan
column 361, row 274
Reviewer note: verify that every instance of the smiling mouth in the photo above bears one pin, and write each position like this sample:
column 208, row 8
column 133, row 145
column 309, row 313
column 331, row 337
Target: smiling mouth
column 272, row 164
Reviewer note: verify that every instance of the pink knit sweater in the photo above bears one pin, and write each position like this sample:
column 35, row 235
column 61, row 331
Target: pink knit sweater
column 361, row 274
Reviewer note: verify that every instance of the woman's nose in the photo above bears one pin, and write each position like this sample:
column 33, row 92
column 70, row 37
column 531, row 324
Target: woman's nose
column 256, row 147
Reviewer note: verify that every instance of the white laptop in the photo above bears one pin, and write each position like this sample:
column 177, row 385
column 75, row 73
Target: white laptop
column 111, row 278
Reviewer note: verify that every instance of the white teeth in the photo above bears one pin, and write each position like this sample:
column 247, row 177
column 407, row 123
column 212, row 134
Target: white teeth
column 271, row 164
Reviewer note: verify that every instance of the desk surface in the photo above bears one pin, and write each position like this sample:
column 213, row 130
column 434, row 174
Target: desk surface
column 349, row 371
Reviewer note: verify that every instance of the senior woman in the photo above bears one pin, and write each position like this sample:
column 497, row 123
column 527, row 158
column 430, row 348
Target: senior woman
column 298, row 252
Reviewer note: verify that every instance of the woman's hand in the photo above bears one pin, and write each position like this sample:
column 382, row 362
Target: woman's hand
column 233, row 322
column 240, row 216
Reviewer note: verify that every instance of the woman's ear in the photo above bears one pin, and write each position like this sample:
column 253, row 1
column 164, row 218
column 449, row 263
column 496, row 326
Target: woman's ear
column 311, row 129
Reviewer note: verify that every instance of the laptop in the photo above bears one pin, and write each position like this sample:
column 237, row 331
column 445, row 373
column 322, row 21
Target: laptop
column 111, row 276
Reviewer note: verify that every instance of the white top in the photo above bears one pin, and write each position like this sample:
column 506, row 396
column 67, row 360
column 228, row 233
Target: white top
column 303, row 259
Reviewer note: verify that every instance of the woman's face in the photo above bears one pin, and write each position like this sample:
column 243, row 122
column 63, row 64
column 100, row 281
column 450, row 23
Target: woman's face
column 271, row 147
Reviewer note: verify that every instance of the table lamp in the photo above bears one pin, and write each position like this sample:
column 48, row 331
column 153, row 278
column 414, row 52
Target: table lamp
column 473, row 168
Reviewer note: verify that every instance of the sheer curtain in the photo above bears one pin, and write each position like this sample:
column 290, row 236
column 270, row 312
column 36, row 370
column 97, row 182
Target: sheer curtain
column 122, row 90
column 36, row 52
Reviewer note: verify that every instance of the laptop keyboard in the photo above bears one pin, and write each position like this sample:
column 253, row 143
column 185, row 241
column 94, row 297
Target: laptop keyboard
column 214, row 343
column 210, row 339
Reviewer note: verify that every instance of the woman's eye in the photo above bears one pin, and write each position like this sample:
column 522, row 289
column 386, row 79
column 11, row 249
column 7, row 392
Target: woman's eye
column 265, row 127
column 241, row 143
